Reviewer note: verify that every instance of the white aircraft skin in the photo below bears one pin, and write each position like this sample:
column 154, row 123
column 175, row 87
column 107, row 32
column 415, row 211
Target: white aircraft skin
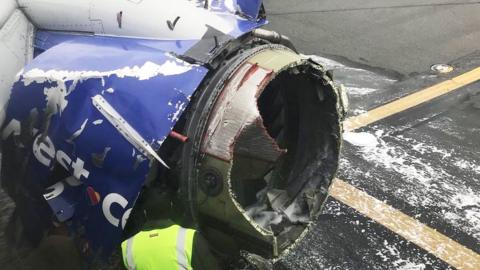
column 153, row 19
column 6, row 9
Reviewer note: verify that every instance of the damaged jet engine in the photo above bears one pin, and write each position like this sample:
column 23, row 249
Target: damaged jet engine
column 122, row 96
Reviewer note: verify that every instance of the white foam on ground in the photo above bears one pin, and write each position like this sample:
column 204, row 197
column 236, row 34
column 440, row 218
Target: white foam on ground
column 391, row 251
column 423, row 183
column 363, row 139
column 352, row 90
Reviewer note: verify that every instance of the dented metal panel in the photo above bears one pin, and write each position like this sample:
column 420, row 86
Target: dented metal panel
column 102, row 113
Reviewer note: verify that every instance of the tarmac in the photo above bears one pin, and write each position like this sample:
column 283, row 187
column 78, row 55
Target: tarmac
column 420, row 165
column 402, row 36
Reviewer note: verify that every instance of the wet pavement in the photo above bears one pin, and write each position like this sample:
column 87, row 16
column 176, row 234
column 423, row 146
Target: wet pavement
column 344, row 239
column 6, row 209
column 399, row 36
column 423, row 161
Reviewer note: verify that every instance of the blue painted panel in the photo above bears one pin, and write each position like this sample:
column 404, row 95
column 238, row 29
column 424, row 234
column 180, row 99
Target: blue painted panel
column 149, row 99
column 251, row 8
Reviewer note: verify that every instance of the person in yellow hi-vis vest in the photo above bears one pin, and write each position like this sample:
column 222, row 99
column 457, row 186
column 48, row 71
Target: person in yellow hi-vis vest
column 164, row 245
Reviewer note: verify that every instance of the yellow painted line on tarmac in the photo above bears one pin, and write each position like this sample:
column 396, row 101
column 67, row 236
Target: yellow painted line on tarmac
column 409, row 228
column 414, row 231
column 411, row 100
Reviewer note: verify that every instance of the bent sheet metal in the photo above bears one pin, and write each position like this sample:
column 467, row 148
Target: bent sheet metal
column 148, row 88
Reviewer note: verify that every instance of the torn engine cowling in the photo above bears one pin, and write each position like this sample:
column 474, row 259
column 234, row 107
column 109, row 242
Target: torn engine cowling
column 264, row 139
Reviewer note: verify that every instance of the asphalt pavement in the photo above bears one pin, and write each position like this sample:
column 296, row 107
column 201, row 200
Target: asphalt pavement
column 423, row 161
column 401, row 36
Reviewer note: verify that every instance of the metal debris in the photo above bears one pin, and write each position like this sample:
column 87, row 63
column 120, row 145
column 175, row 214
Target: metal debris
column 124, row 128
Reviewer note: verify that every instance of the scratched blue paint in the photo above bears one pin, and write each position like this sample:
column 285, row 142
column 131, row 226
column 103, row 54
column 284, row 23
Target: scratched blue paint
column 147, row 105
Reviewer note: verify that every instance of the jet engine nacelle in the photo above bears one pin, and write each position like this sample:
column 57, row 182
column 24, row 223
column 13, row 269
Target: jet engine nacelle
column 264, row 149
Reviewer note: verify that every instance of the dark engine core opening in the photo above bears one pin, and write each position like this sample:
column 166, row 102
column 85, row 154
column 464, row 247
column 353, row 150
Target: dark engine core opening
column 299, row 114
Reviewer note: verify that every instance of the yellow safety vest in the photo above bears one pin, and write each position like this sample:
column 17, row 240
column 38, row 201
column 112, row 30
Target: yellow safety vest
column 161, row 249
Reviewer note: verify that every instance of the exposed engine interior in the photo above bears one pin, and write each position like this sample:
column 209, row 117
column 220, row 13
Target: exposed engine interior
column 280, row 194
column 262, row 151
